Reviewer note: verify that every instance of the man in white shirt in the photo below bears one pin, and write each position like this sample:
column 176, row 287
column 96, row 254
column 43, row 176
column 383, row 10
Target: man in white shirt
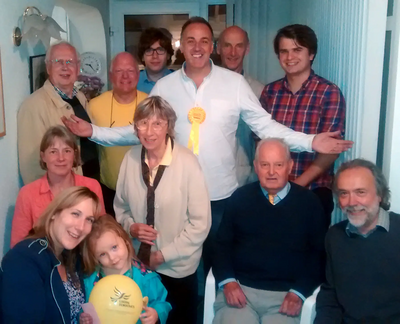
column 220, row 97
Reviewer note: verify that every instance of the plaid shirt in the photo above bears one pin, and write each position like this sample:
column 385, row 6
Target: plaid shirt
column 63, row 94
column 317, row 107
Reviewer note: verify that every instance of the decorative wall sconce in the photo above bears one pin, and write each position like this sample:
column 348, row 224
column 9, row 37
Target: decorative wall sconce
column 35, row 27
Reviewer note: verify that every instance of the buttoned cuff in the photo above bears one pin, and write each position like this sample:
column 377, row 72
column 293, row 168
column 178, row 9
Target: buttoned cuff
column 224, row 282
column 311, row 139
column 298, row 294
column 94, row 133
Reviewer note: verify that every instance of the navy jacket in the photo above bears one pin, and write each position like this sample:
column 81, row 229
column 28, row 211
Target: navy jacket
column 31, row 289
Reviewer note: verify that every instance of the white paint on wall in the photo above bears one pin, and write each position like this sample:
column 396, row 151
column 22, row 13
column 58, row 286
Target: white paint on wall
column 391, row 158
column 351, row 37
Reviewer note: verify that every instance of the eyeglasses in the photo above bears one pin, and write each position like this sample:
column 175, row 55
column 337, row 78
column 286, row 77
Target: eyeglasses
column 61, row 62
column 158, row 50
column 156, row 126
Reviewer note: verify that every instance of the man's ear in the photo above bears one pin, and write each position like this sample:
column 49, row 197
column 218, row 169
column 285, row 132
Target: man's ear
column 247, row 48
column 48, row 68
column 291, row 163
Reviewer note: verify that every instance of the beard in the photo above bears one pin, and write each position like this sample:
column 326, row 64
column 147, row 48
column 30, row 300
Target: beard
column 370, row 214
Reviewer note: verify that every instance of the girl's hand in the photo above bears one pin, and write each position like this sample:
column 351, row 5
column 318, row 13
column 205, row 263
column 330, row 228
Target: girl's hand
column 149, row 316
column 85, row 318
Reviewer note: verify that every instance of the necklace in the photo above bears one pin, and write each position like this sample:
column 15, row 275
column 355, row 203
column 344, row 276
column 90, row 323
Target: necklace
column 112, row 110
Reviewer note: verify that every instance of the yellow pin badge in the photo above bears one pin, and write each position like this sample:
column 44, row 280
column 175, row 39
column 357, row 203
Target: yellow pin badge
column 196, row 116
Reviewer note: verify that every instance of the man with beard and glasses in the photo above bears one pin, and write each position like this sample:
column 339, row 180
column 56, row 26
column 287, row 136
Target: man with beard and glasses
column 363, row 264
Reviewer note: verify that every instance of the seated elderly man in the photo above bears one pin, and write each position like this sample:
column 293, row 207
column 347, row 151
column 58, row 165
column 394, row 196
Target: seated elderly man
column 363, row 267
column 270, row 245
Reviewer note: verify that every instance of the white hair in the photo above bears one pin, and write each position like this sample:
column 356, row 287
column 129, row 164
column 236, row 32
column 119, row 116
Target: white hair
column 276, row 140
column 62, row 42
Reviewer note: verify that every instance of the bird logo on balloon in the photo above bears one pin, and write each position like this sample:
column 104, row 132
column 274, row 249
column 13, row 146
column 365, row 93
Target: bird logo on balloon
column 119, row 296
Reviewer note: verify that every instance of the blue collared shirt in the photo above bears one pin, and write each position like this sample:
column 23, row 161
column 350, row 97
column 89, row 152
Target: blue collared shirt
column 144, row 84
column 277, row 199
column 280, row 195
column 383, row 222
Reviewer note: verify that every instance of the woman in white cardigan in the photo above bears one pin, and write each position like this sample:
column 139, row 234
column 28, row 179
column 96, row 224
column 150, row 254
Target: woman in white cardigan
column 162, row 202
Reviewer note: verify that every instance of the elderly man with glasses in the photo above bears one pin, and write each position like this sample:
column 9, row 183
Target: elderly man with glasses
column 58, row 97
column 116, row 108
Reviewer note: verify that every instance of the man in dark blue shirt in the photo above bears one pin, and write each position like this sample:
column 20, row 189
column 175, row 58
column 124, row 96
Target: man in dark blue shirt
column 363, row 263
column 270, row 245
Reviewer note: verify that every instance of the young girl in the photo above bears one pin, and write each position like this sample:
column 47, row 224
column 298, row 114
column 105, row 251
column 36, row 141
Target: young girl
column 108, row 250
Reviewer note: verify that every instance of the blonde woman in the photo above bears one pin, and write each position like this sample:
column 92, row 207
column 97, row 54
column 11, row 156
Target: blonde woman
column 40, row 277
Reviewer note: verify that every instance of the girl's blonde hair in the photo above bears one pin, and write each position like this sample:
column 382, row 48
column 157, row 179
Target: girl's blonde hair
column 105, row 223
column 66, row 199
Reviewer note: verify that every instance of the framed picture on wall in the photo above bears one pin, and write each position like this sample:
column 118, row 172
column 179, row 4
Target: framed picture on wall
column 37, row 71
column 2, row 113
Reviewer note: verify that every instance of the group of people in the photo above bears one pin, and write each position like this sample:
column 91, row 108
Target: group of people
column 176, row 173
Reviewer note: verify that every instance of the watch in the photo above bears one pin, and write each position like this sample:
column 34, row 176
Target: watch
column 91, row 64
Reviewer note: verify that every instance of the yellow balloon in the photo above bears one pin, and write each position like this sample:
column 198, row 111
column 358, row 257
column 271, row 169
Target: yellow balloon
column 117, row 299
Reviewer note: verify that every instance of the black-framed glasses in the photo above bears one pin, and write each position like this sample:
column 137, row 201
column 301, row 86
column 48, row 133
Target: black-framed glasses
column 158, row 50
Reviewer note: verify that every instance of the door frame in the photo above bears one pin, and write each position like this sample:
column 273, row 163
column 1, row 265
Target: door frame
column 119, row 9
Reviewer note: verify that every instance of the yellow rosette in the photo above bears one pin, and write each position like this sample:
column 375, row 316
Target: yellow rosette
column 196, row 116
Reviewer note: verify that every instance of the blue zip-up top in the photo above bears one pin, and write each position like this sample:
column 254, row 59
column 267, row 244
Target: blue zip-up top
column 31, row 289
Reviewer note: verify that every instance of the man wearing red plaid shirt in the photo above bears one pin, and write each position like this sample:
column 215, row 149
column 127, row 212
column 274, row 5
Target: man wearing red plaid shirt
column 307, row 103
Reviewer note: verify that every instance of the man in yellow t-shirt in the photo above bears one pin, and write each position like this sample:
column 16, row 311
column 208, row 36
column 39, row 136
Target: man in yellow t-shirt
column 113, row 109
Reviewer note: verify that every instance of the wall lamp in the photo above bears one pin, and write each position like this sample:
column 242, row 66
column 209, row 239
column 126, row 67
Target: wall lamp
column 36, row 26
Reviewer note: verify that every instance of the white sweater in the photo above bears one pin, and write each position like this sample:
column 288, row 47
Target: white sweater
column 182, row 213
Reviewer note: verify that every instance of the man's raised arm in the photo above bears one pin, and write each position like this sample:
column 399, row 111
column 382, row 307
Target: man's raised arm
column 117, row 136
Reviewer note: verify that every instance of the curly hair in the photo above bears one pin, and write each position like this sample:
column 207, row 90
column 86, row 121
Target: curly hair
column 149, row 37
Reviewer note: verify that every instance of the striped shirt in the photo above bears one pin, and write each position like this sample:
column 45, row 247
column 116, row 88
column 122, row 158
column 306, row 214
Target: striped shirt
column 317, row 107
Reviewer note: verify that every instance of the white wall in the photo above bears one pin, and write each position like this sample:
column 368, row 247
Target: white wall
column 15, row 70
column 391, row 157
column 262, row 19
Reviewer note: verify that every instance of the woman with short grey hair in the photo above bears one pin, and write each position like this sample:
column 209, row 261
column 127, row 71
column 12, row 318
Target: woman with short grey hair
column 162, row 202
